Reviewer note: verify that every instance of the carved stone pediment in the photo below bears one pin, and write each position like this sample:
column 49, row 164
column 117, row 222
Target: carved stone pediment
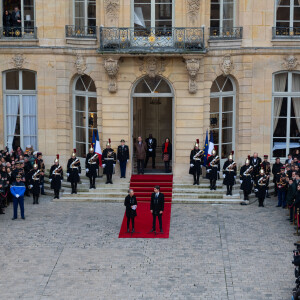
column 226, row 65
column 18, row 61
column 290, row 63
column 153, row 66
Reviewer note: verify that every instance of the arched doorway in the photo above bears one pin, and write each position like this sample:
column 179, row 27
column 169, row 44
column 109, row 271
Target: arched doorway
column 84, row 113
column 152, row 113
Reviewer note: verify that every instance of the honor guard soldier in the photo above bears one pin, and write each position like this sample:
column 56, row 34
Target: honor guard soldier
column 151, row 150
column 260, row 186
column 56, row 177
column 35, row 182
column 123, row 157
column 246, row 178
column 92, row 166
column 276, row 170
column 255, row 162
column 229, row 173
column 108, row 162
column 281, row 182
column 196, row 162
column 73, row 171
column 213, row 169
column 41, row 167
column 267, row 168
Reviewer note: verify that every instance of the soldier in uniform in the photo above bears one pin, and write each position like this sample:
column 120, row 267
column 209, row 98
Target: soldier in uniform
column 281, row 182
column 73, row 171
column 276, row 170
column 213, row 169
column 56, row 177
column 41, row 167
column 108, row 162
column 267, row 168
column 260, row 187
column 255, row 162
column 92, row 166
column 196, row 161
column 35, row 182
column 229, row 173
column 246, row 178
column 123, row 157
column 151, row 150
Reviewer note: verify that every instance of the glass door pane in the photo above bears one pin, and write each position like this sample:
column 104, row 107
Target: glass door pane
column 13, row 121
column 80, row 124
column 29, row 121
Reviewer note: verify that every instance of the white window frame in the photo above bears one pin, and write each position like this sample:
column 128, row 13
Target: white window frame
column 152, row 13
column 222, row 95
column 289, row 95
column 19, row 93
column 222, row 14
column 86, row 17
column 291, row 21
column 86, row 95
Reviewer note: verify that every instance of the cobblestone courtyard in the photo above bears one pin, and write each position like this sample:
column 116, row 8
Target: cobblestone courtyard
column 72, row 251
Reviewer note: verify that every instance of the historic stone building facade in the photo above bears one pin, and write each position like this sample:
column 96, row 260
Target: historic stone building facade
column 174, row 68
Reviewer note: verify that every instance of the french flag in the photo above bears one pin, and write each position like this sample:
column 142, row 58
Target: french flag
column 211, row 145
column 97, row 146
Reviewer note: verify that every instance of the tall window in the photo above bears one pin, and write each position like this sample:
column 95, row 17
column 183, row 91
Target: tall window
column 84, row 114
column 222, row 115
column 20, row 108
column 26, row 10
column 85, row 13
column 288, row 15
column 222, row 15
column 286, row 113
column 152, row 13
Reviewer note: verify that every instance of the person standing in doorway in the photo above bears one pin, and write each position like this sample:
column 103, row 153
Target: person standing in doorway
column 140, row 150
column 123, row 157
column 151, row 150
column 167, row 154
column 157, row 208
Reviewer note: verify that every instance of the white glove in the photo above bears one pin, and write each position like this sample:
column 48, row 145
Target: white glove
column 61, row 180
column 224, row 175
column 241, row 181
column 31, row 186
column 114, row 165
column 87, row 170
column 79, row 174
column 103, row 166
column 127, row 160
column 255, row 190
column 191, row 165
column 17, row 195
column 208, row 170
column 234, row 177
column 150, row 150
column 218, row 172
column 50, row 180
column 68, row 174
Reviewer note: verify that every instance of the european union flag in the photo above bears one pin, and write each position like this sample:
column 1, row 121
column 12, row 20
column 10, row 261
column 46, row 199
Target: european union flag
column 205, row 149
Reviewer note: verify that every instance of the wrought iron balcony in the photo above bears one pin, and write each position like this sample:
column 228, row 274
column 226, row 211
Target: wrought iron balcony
column 286, row 32
column 18, row 33
column 81, row 32
column 151, row 40
column 224, row 33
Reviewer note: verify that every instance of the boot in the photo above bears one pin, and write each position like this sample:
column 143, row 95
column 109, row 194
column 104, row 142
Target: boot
column 230, row 191
column 267, row 194
column 37, row 200
column 227, row 193
column 211, row 185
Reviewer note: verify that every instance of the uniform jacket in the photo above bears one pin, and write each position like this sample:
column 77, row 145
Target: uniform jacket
column 123, row 153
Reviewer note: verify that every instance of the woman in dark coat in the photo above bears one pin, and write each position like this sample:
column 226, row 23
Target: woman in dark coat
column 7, row 22
column 131, row 205
column 167, row 154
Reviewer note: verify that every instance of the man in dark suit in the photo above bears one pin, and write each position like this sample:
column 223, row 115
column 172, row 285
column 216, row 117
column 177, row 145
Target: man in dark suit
column 151, row 150
column 157, row 207
column 123, row 157
column 255, row 162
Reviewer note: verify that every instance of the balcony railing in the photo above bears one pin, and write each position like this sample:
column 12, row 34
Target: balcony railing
column 148, row 40
column 233, row 33
column 286, row 32
column 89, row 32
column 18, row 33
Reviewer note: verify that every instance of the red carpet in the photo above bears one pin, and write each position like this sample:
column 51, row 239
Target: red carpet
column 143, row 188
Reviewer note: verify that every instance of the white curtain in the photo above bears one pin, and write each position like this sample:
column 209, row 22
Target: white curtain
column 29, row 121
column 280, row 83
column 296, row 101
column 12, row 109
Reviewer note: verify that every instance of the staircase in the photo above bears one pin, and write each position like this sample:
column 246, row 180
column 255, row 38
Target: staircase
column 143, row 186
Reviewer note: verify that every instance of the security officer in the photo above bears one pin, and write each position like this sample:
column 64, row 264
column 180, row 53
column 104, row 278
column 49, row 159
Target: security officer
column 123, row 157
column 151, row 150
column 73, row 171
column 246, row 178
column 229, row 173
column 213, row 169
column 92, row 166
column 56, row 177
column 35, row 182
column 196, row 162
column 108, row 162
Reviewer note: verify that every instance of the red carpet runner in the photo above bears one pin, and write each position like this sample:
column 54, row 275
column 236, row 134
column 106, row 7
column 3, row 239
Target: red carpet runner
column 143, row 188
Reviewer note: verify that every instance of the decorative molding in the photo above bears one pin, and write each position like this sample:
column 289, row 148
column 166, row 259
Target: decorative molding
column 80, row 64
column 18, row 61
column 193, row 67
column 112, row 8
column 226, row 65
column 111, row 66
column 153, row 66
column 290, row 63
column 193, row 7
